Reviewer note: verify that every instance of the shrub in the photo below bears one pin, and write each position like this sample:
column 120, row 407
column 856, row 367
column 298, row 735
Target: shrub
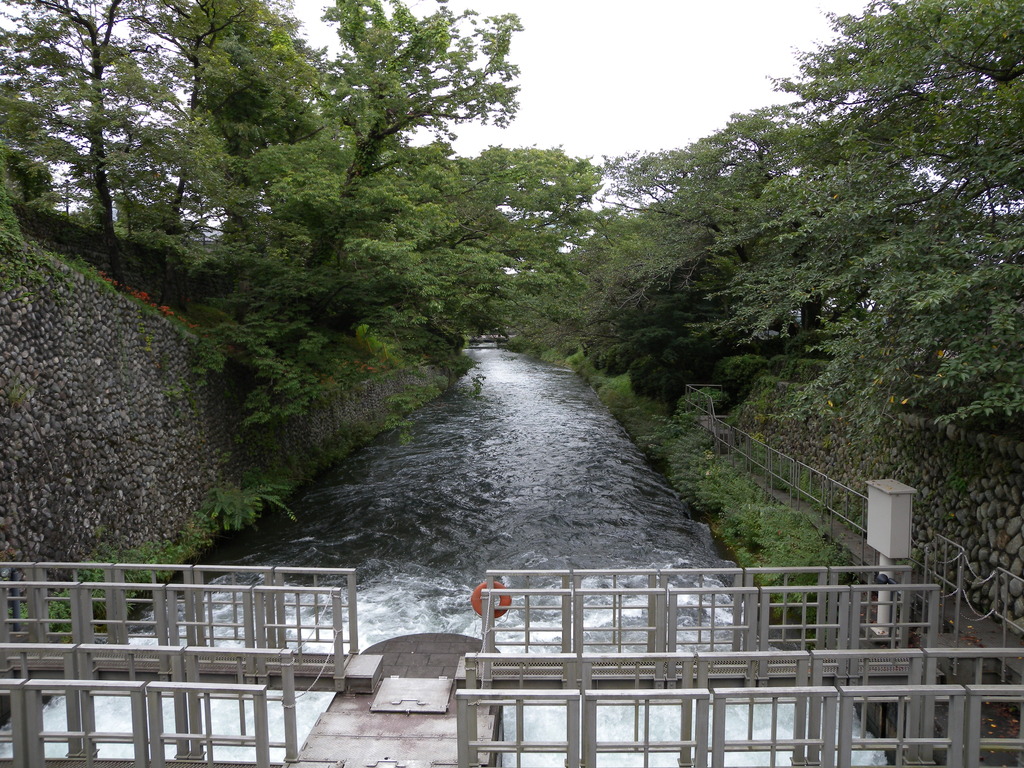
column 738, row 373
column 234, row 508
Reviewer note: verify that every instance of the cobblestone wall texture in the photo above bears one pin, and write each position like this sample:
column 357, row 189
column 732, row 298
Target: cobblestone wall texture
column 970, row 486
column 107, row 434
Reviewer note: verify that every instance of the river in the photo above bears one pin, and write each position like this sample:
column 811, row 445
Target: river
column 528, row 470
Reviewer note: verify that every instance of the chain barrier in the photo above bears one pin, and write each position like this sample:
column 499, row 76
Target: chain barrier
column 328, row 659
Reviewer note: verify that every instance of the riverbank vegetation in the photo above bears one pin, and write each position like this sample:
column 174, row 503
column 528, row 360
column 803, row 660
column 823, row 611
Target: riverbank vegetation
column 304, row 212
column 753, row 529
column 864, row 240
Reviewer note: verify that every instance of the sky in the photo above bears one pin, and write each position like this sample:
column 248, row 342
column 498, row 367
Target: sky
column 609, row 77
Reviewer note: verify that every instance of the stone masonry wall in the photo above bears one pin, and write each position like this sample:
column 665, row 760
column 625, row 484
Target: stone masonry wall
column 970, row 486
column 107, row 434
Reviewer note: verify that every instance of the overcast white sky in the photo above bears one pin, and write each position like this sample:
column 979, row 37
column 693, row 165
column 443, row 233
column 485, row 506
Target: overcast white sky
column 607, row 77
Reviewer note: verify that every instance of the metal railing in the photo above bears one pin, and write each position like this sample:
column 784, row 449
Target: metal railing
column 947, row 563
column 159, row 573
column 705, row 669
column 139, row 575
column 700, row 728
column 838, row 502
column 714, row 669
column 997, row 592
column 159, row 722
column 733, row 576
column 572, row 618
column 223, row 615
column 151, row 662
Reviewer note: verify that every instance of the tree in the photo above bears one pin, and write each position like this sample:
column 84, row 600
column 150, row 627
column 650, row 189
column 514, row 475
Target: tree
column 73, row 92
column 925, row 96
column 397, row 74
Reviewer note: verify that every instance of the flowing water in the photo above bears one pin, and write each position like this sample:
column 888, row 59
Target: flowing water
column 528, row 472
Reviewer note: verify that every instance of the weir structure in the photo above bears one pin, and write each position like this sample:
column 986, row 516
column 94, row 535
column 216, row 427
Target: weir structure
column 647, row 667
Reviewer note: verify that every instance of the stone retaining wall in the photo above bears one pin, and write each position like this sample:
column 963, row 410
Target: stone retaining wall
column 107, row 434
column 970, row 486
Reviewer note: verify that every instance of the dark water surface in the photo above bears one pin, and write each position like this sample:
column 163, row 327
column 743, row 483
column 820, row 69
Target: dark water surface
column 532, row 473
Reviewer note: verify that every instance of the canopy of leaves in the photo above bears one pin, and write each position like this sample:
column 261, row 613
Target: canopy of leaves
column 340, row 244
column 876, row 222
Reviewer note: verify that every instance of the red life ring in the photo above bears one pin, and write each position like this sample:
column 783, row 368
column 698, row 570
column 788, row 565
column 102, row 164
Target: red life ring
column 478, row 602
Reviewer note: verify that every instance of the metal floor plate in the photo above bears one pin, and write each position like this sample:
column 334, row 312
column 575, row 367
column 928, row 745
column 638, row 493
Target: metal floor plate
column 413, row 695
column 349, row 733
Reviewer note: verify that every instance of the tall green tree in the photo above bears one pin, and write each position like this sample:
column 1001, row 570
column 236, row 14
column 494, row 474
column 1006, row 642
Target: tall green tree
column 924, row 98
column 73, row 93
column 397, row 74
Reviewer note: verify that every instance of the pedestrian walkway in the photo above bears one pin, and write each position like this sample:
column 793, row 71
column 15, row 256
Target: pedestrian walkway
column 409, row 721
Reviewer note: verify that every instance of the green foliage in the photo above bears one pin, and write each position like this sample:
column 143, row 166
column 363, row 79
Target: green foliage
column 233, row 508
column 874, row 227
column 796, row 369
column 10, row 231
column 738, row 373
column 371, row 343
column 756, row 531
column 22, row 270
column 291, row 183
column 397, row 73
column 17, row 392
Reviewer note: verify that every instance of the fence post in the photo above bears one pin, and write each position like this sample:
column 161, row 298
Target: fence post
column 291, row 730
column 38, row 613
column 340, row 639
column 747, row 616
column 717, row 747
column 80, row 598
column 140, row 726
column 764, row 615
column 27, row 723
column 163, row 618
column 465, row 720
column 353, row 623
column 574, row 738
column 253, row 636
column 192, row 607
column 848, row 636
column 658, row 608
column 262, row 728
column 672, row 623
column 154, row 706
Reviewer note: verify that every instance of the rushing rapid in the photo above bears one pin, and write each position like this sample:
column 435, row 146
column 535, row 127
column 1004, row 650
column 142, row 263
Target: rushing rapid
column 518, row 467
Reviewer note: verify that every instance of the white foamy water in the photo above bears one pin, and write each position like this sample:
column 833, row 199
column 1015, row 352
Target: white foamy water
column 618, row 724
column 113, row 713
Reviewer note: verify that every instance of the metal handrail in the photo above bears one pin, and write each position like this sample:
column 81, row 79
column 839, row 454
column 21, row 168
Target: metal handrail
column 947, row 563
column 735, row 576
column 141, row 574
column 699, row 737
column 714, row 669
column 801, row 481
column 271, row 575
column 211, row 615
column 642, row 619
column 941, row 560
column 192, row 736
